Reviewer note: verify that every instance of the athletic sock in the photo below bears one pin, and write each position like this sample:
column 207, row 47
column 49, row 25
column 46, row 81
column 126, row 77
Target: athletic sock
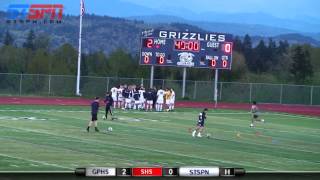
column 88, row 129
column 199, row 134
column 194, row 133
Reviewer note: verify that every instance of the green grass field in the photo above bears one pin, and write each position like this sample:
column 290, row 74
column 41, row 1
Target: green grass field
column 42, row 138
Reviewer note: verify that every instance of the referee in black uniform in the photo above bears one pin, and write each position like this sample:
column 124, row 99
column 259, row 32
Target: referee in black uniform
column 94, row 114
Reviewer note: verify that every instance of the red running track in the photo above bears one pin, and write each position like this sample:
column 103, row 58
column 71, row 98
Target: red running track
column 292, row 109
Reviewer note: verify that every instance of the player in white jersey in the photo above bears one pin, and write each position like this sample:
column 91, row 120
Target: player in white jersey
column 120, row 97
column 255, row 114
column 142, row 98
column 114, row 95
column 172, row 100
column 160, row 99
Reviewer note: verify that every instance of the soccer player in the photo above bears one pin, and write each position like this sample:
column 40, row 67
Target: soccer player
column 94, row 114
column 108, row 102
column 114, row 95
column 120, row 101
column 149, row 98
column 167, row 97
column 126, row 95
column 142, row 98
column 200, row 124
column 154, row 96
column 172, row 99
column 160, row 96
column 132, row 89
column 136, row 97
column 255, row 114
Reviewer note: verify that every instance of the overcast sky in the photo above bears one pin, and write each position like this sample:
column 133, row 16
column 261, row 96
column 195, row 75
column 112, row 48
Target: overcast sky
column 279, row 8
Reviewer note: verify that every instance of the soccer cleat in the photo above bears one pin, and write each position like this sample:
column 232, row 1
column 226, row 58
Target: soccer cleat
column 96, row 129
column 193, row 133
column 87, row 129
column 199, row 135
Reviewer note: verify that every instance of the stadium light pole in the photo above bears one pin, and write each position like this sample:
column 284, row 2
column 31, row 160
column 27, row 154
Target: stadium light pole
column 216, row 88
column 184, row 82
column 151, row 76
column 79, row 50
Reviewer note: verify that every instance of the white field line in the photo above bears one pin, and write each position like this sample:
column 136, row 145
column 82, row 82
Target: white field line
column 34, row 161
column 226, row 139
column 137, row 112
column 257, row 144
column 59, row 148
column 144, row 149
column 179, row 153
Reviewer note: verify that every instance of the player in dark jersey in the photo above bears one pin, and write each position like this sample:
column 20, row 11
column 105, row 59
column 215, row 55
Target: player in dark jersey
column 154, row 96
column 126, row 95
column 136, row 97
column 94, row 114
column 200, row 124
column 108, row 102
column 149, row 98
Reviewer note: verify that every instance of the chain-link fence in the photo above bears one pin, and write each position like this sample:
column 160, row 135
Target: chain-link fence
column 63, row 85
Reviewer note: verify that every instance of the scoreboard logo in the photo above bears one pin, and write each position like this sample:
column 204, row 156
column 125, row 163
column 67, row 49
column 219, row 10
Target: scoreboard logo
column 185, row 59
column 35, row 13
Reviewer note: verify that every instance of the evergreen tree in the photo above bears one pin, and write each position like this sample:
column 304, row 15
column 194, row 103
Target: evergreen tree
column 261, row 60
column 237, row 44
column 8, row 39
column 301, row 68
column 29, row 44
column 248, row 52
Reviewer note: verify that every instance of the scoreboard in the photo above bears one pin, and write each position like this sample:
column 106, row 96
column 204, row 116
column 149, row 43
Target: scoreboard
column 186, row 49
column 187, row 171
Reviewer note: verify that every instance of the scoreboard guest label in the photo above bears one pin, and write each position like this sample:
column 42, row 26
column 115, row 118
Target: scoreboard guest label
column 186, row 49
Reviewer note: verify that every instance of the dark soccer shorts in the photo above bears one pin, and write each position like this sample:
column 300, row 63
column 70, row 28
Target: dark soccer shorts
column 200, row 124
column 255, row 116
column 94, row 117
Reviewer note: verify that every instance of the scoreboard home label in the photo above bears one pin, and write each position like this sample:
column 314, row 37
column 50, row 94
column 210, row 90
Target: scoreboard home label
column 186, row 49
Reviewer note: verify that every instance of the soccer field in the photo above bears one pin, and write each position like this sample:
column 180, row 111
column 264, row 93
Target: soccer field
column 42, row 138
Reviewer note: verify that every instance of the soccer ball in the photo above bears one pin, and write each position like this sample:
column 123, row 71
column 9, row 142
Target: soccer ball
column 110, row 129
column 208, row 135
column 262, row 120
column 251, row 125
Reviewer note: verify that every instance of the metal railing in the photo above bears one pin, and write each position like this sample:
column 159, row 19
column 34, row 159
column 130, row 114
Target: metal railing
column 64, row 85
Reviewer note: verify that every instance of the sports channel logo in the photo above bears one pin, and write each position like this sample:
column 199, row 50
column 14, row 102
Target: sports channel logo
column 35, row 13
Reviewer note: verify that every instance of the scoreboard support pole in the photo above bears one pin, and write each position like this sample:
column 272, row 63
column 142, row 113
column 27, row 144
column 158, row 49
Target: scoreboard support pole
column 184, row 82
column 216, row 89
column 151, row 76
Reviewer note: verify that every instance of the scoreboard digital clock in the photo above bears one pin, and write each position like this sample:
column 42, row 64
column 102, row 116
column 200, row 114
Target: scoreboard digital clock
column 186, row 49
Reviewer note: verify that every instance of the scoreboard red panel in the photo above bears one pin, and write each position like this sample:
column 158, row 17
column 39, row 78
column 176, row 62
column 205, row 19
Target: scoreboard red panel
column 186, row 49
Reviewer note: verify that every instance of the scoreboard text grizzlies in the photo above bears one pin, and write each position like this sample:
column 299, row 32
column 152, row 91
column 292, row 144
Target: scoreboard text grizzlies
column 186, row 49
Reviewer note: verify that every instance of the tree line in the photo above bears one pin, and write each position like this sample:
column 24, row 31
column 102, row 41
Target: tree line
column 273, row 62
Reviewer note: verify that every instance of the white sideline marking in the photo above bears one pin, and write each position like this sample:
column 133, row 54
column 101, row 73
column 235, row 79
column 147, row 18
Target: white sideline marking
column 152, row 150
column 35, row 165
column 59, row 148
column 13, row 165
column 34, row 161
